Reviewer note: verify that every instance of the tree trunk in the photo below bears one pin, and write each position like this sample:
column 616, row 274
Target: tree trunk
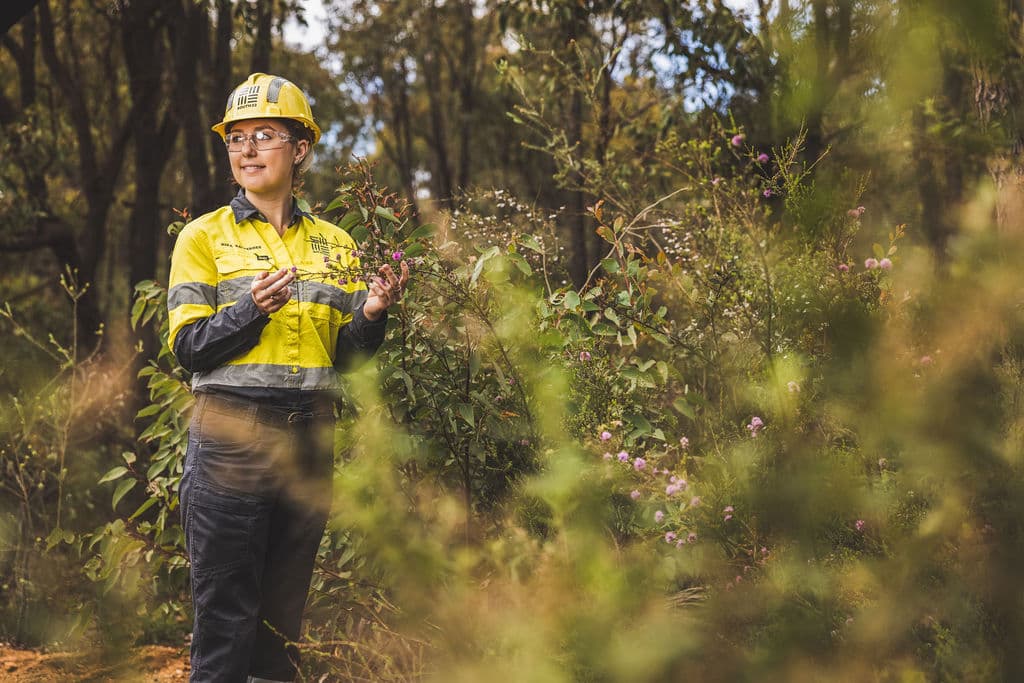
column 262, row 43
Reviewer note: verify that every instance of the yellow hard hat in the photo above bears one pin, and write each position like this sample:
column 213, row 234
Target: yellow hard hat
column 262, row 96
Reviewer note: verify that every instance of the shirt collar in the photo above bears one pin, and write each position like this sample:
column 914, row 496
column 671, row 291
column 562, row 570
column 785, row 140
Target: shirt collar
column 243, row 209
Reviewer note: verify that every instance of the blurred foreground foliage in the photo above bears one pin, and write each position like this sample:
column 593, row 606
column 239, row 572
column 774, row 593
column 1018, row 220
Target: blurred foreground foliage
column 737, row 452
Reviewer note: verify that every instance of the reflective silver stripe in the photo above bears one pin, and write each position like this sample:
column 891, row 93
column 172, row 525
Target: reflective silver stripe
column 274, row 91
column 230, row 291
column 272, row 376
column 231, row 101
column 329, row 295
column 198, row 293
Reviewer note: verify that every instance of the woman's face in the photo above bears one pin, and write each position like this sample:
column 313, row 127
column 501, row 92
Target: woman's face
column 265, row 171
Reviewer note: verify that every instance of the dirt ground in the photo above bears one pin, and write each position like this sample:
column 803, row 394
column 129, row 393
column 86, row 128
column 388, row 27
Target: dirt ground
column 148, row 664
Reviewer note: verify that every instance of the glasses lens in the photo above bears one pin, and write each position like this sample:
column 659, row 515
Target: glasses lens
column 260, row 140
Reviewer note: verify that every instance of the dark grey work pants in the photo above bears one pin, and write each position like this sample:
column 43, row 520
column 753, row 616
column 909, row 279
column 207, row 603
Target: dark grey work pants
column 255, row 497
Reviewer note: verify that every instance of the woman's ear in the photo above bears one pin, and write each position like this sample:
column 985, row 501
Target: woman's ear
column 301, row 150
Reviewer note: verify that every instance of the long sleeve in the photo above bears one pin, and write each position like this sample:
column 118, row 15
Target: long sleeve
column 202, row 337
column 359, row 340
column 210, row 342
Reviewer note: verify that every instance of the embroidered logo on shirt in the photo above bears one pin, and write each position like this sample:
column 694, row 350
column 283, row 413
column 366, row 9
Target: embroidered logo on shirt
column 320, row 244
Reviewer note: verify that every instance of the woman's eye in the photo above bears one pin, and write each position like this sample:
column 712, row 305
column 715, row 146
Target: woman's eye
column 236, row 139
column 262, row 136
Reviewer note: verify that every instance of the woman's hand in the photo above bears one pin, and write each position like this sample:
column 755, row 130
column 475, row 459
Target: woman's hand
column 270, row 291
column 385, row 290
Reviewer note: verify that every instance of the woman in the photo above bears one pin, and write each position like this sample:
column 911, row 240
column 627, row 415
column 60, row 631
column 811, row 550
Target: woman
column 265, row 348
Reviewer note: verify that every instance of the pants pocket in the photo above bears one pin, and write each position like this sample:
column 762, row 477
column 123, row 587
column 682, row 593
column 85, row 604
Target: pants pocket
column 218, row 530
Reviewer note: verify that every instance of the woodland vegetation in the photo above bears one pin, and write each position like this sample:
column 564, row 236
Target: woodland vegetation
column 712, row 369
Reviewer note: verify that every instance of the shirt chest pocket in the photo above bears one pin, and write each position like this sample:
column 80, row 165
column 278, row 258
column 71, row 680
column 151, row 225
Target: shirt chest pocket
column 234, row 276
column 323, row 301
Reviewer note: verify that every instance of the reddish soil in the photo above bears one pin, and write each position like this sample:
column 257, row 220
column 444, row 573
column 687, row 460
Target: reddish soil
column 152, row 663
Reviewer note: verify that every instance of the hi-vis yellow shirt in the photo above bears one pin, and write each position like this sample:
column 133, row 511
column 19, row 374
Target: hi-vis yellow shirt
column 215, row 260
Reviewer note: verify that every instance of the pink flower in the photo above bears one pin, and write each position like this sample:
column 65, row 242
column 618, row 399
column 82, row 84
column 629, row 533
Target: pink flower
column 755, row 426
column 607, row 456
column 882, row 462
column 794, row 387
column 396, row 256
column 671, row 489
column 762, row 158
column 659, row 516
column 623, row 456
column 584, row 356
column 871, row 263
column 764, row 550
column 605, row 435
column 925, row 360
column 856, row 213
column 885, row 264
column 691, row 537
column 716, row 180
column 859, row 524
column 729, row 508
column 767, row 193
column 634, row 494
column 670, row 536
column 738, row 139
column 639, row 464
column 843, row 268
column 684, row 443
column 681, row 542
column 728, row 517
column 695, row 501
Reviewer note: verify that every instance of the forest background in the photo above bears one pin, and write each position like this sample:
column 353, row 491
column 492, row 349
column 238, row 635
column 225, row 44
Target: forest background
column 712, row 366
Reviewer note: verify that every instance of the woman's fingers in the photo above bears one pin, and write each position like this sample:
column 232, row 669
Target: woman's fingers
column 271, row 291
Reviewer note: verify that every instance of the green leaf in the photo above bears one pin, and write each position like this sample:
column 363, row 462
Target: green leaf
column 114, row 473
column 119, row 493
column 571, row 300
column 521, row 264
column 639, row 422
column 359, row 233
column 414, row 250
column 477, row 269
column 530, row 242
column 684, row 407
column 610, row 265
column 336, row 203
column 631, row 333
column 466, row 412
column 385, row 213
column 149, row 410
column 611, row 315
column 350, row 220
column 425, row 230
column 878, row 251
column 145, row 506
